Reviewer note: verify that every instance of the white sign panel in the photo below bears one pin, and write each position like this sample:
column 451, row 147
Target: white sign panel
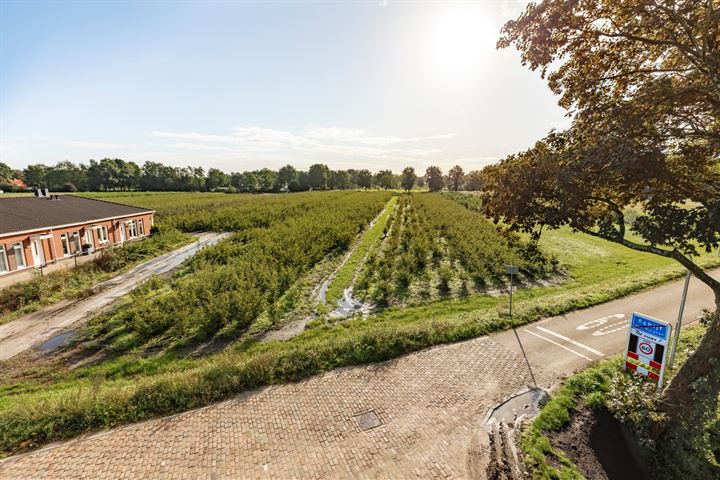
column 647, row 346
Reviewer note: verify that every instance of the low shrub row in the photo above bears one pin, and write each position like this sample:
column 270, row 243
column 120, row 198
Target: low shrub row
column 228, row 285
column 432, row 244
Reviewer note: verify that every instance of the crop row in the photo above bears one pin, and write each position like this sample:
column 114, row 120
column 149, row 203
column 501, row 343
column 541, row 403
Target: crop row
column 231, row 283
column 435, row 246
column 480, row 245
column 212, row 211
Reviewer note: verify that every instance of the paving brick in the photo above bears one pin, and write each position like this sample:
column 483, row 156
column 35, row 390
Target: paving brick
column 430, row 405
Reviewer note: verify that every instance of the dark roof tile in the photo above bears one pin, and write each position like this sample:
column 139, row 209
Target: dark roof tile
column 18, row 214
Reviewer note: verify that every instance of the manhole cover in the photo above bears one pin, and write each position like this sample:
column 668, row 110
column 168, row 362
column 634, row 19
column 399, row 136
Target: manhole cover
column 368, row 420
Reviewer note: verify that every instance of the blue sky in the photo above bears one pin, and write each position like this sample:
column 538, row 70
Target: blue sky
column 244, row 85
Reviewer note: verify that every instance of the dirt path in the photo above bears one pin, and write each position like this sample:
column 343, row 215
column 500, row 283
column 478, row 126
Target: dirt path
column 345, row 306
column 24, row 332
column 419, row 416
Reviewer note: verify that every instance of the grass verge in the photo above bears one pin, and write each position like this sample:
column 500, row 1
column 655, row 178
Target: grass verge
column 344, row 276
column 691, row 450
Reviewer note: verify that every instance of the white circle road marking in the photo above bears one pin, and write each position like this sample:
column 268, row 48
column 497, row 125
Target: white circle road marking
column 599, row 321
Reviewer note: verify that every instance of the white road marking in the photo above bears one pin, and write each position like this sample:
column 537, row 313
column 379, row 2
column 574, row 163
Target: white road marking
column 559, row 345
column 570, row 340
column 599, row 321
column 604, row 331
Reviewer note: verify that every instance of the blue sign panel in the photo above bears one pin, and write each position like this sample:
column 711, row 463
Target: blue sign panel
column 650, row 327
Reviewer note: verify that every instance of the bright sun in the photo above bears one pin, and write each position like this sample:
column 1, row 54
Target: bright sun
column 459, row 40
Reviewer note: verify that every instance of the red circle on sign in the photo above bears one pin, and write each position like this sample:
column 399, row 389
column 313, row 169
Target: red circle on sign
column 646, row 349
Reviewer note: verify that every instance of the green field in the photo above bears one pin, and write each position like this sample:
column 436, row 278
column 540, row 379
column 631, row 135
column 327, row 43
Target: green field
column 171, row 346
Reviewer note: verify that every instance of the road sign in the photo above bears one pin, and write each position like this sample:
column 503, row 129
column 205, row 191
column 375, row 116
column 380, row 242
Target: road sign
column 647, row 346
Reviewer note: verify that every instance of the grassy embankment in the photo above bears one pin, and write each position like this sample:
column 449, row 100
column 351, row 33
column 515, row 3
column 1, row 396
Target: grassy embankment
column 691, row 450
column 128, row 388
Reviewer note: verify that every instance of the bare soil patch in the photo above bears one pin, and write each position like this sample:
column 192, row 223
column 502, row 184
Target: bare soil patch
column 601, row 447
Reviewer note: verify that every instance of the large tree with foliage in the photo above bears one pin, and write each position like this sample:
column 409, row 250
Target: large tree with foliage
column 642, row 80
column 5, row 171
column 340, row 180
column 318, row 176
column 408, row 178
column 384, row 179
column 457, row 176
column 434, row 177
column 364, row 179
column 658, row 58
column 474, row 181
column 216, row 178
column 35, row 175
column 285, row 176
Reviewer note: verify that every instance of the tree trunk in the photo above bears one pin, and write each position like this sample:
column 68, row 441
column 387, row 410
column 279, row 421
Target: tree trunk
column 678, row 395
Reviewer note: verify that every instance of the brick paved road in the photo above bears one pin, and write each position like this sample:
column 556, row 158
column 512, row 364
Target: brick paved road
column 430, row 405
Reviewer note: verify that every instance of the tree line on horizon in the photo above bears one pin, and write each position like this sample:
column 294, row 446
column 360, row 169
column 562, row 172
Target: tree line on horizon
column 114, row 174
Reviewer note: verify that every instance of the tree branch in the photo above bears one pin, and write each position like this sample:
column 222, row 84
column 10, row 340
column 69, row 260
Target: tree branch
column 617, row 211
column 675, row 254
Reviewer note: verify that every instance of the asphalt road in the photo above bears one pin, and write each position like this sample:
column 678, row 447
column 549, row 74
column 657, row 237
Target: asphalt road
column 37, row 327
column 565, row 343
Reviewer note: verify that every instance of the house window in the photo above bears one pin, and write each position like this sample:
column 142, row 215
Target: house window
column 19, row 255
column 132, row 228
column 141, row 226
column 4, row 267
column 65, row 244
column 103, row 234
column 89, row 240
column 76, row 241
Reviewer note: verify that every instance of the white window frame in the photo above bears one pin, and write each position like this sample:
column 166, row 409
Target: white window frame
column 103, row 234
column 76, row 240
column 89, row 238
column 132, row 228
column 19, row 252
column 141, row 227
column 65, row 242
column 4, row 265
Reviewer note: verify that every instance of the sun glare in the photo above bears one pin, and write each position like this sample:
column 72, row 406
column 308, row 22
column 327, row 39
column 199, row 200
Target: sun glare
column 459, row 40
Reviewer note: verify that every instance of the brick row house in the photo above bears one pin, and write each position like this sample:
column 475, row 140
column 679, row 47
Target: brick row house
column 49, row 229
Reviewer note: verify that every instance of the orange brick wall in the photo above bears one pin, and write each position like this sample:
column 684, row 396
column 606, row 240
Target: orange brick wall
column 52, row 248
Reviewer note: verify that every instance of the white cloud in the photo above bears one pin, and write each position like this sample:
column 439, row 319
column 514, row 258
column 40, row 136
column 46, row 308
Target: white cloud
column 312, row 141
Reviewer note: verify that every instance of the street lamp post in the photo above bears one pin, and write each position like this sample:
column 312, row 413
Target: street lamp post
column 513, row 270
